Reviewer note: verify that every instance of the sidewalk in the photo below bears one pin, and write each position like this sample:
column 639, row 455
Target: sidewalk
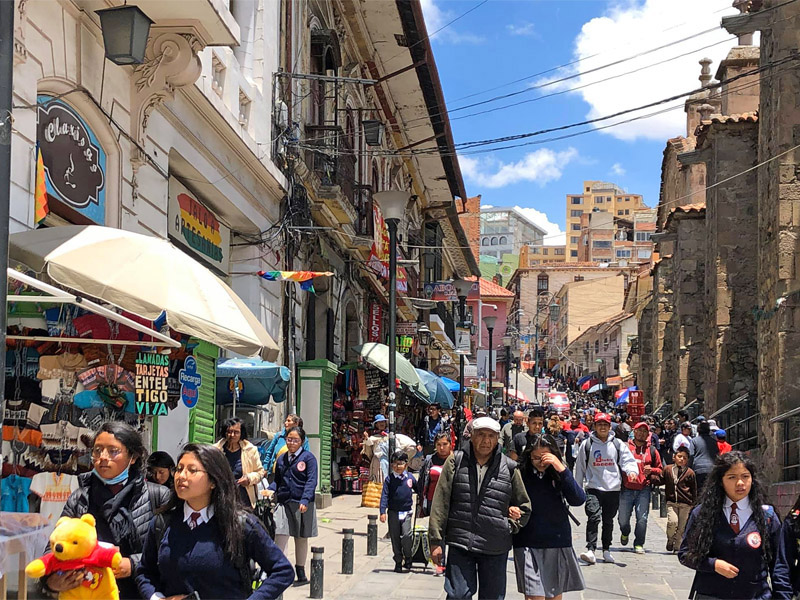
column 657, row 575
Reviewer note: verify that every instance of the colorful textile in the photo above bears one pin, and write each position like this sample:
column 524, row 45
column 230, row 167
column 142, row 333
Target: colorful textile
column 304, row 278
column 41, row 207
column 14, row 492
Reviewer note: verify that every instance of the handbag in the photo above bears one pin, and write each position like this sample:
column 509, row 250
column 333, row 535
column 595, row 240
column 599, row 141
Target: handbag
column 371, row 494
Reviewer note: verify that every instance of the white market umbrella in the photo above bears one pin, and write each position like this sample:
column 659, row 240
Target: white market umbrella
column 146, row 276
column 378, row 355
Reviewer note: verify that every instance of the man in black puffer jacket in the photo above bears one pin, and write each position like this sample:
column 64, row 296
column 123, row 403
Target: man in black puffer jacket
column 480, row 501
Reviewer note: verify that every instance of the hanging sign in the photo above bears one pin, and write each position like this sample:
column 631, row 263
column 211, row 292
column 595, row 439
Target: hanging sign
column 375, row 322
column 446, row 370
column 190, row 381
column 196, row 228
column 463, row 345
column 74, row 163
column 379, row 254
column 404, row 343
column 152, row 371
column 406, row 328
column 445, row 291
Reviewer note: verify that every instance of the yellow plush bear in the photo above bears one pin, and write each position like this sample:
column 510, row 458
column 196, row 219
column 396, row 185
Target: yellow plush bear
column 73, row 546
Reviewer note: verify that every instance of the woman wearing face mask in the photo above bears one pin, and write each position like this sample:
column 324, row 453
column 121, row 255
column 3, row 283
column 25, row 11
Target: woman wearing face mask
column 732, row 536
column 207, row 542
column 121, row 501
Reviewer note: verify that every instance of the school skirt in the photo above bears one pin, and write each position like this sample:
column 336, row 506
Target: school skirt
column 547, row 572
column 290, row 521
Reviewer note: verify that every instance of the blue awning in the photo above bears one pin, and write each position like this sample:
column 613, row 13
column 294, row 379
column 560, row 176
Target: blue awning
column 453, row 386
column 584, row 379
column 260, row 380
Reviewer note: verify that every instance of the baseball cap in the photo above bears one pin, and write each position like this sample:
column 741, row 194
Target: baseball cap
column 700, row 418
column 378, row 419
column 686, row 424
column 720, row 432
column 642, row 424
column 486, row 423
column 604, row 417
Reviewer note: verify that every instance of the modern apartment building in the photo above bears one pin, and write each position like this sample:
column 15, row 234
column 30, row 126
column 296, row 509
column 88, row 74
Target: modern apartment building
column 606, row 238
column 602, row 196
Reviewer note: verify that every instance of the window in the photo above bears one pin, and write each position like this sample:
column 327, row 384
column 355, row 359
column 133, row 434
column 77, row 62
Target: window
column 545, row 251
column 587, row 189
column 627, row 199
column 576, row 227
column 577, row 200
column 575, row 213
column 485, row 242
column 620, row 212
column 573, row 253
column 494, row 241
column 503, row 240
column 559, row 251
column 578, row 278
column 573, row 239
column 535, row 250
column 605, row 343
column 542, row 283
column 643, row 236
column 596, row 346
column 627, row 211
column 601, row 244
column 644, row 254
column 623, row 253
column 598, row 200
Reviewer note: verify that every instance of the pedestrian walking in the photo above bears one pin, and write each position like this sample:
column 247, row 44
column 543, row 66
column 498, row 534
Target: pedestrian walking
column 208, row 541
column 554, row 428
column 431, row 471
column 544, row 561
column 535, row 427
column 704, row 450
column 480, row 501
column 670, row 431
column 635, row 495
column 602, row 461
column 623, row 430
column 294, row 488
column 510, row 430
column 277, row 445
column 243, row 458
column 160, row 468
column 683, row 438
column 732, row 536
column 722, row 443
column 396, row 504
column 376, row 448
column 787, row 565
column 430, row 426
column 122, row 502
column 680, row 487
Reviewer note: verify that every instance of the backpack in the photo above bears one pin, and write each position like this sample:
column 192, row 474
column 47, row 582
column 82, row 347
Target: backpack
column 588, row 452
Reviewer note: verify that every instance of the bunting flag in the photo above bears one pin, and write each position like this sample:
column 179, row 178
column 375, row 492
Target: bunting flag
column 304, row 278
column 41, row 208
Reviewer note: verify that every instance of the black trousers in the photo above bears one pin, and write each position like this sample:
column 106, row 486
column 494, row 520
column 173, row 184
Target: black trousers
column 600, row 506
column 400, row 534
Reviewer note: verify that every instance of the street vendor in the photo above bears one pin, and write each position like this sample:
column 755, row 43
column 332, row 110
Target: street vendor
column 376, row 448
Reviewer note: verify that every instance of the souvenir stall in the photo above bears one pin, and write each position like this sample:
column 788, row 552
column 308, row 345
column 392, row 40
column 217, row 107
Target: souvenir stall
column 132, row 340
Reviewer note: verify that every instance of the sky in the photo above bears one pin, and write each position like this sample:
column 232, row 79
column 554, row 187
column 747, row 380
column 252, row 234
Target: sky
column 532, row 43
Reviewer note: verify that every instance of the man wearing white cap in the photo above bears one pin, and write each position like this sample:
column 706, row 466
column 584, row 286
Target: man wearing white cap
column 479, row 503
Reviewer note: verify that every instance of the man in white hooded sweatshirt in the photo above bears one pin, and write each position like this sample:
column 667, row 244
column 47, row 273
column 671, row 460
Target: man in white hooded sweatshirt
column 601, row 461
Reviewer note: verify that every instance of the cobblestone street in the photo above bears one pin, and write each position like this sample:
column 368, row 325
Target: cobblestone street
column 657, row 575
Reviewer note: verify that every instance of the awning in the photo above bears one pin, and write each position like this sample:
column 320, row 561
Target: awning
column 453, row 386
column 518, row 395
column 378, row 356
column 437, row 389
column 598, row 388
column 584, row 379
column 147, row 276
column 260, row 380
column 613, row 381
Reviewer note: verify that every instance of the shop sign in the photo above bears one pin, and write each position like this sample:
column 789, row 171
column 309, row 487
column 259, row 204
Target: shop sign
column 483, row 362
column 445, row 370
column 463, row 345
column 406, row 328
column 379, row 254
column 196, row 228
column 446, row 359
column 375, row 322
column 470, row 370
column 543, row 384
column 74, row 161
column 404, row 343
column 445, row 291
column 152, row 371
column 190, row 381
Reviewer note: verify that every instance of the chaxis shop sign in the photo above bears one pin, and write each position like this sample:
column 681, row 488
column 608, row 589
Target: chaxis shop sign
column 375, row 333
column 74, row 161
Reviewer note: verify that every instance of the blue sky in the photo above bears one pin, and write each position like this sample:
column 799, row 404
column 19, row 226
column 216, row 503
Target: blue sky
column 505, row 40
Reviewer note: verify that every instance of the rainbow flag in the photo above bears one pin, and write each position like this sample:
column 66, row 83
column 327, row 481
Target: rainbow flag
column 41, row 208
column 304, row 278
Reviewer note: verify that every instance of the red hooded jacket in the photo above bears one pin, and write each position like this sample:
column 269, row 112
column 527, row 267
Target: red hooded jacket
column 649, row 456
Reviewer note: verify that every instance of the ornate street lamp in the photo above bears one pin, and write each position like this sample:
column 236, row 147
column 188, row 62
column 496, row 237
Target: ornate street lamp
column 125, row 32
column 489, row 322
column 507, row 339
column 392, row 205
column 424, row 334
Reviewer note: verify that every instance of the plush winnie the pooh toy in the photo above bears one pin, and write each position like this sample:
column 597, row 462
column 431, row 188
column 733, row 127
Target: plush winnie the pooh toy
column 73, row 546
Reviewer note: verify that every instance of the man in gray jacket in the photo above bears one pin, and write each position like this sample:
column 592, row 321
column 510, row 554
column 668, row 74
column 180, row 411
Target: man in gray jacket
column 480, row 501
column 602, row 461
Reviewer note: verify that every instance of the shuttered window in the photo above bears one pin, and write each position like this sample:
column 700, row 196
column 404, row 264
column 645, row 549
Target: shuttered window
column 202, row 418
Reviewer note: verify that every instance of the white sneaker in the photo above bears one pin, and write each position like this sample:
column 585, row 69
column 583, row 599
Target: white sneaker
column 607, row 557
column 588, row 557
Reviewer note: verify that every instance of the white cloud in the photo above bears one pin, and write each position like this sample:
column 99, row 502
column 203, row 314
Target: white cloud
column 553, row 234
column 541, row 166
column 617, row 169
column 436, row 18
column 522, row 29
column 632, row 25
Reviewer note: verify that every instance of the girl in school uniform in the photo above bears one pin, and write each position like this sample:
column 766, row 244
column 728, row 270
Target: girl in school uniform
column 732, row 536
column 786, row 565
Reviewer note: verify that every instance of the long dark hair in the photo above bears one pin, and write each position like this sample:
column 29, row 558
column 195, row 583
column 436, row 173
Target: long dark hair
column 228, row 423
column 539, row 440
column 224, row 497
column 128, row 437
column 710, row 516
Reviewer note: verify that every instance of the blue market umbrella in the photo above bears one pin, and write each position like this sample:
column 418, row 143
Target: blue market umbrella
column 437, row 389
column 260, row 380
column 597, row 388
column 584, row 379
column 453, row 386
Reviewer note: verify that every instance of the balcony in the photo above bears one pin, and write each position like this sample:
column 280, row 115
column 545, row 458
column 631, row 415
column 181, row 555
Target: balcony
column 332, row 164
column 363, row 226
